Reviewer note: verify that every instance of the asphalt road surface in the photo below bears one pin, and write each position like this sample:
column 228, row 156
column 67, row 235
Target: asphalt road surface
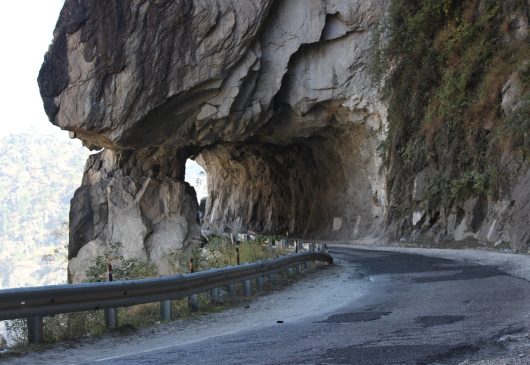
column 418, row 310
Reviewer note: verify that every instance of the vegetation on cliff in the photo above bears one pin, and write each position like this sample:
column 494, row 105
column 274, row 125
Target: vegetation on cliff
column 450, row 61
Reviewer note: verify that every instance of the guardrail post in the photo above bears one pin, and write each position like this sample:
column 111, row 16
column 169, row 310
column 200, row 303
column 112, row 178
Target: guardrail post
column 111, row 318
column 193, row 302
column 247, row 288
column 271, row 279
column 306, row 265
column 165, row 310
column 312, row 247
column 231, row 288
column 111, row 314
column 35, row 329
column 238, row 259
column 325, row 248
column 214, row 296
column 259, row 282
column 299, row 268
column 193, row 299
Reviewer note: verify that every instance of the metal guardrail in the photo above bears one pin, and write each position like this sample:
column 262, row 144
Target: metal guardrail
column 35, row 302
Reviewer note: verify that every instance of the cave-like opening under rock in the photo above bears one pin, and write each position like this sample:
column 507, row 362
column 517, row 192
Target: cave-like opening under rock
column 324, row 186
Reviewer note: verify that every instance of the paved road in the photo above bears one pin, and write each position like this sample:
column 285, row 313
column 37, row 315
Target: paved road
column 418, row 310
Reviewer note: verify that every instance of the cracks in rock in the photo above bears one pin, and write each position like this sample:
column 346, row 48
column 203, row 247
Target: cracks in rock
column 140, row 193
column 148, row 234
column 335, row 28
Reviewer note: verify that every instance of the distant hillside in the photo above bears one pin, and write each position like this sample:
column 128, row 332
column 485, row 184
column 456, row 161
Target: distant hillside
column 38, row 176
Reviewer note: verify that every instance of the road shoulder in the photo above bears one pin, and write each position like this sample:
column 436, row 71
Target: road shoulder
column 314, row 295
column 517, row 265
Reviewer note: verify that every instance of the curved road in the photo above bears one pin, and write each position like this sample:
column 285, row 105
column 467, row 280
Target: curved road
column 418, row 310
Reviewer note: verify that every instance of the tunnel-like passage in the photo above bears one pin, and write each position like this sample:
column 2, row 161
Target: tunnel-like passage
column 325, row 186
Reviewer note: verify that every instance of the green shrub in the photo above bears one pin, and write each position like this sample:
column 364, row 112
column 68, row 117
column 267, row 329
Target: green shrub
column 122, row 268
column 220, row 252
column 73, row 325
column 469, row 183
column 415, row 154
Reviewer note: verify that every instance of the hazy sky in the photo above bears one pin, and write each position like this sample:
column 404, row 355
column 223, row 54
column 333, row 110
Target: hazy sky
column 26, row 31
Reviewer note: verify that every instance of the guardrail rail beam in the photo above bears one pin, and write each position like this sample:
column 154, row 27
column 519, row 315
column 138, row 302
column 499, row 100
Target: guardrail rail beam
column 34, row 303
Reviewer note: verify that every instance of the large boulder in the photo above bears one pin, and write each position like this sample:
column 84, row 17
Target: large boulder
column 148, row 216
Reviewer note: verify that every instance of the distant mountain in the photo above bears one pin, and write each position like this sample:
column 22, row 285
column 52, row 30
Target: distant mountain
column 38, row 176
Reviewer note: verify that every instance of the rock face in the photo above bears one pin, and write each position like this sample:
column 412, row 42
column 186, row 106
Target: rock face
column 459, row 155
column 273, row 98
column 151, row 214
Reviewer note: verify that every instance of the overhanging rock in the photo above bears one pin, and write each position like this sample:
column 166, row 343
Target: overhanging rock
column 273, row 98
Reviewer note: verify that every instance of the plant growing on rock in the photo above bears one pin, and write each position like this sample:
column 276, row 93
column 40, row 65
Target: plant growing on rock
column 122, row 268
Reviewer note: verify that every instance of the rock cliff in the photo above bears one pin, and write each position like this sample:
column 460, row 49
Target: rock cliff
column 277, row 100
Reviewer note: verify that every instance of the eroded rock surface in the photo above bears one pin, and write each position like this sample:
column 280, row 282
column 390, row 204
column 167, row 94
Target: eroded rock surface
column 273, row 98
column 148, row 213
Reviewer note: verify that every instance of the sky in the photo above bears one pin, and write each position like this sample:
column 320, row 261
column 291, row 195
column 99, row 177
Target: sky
column 26, row 31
